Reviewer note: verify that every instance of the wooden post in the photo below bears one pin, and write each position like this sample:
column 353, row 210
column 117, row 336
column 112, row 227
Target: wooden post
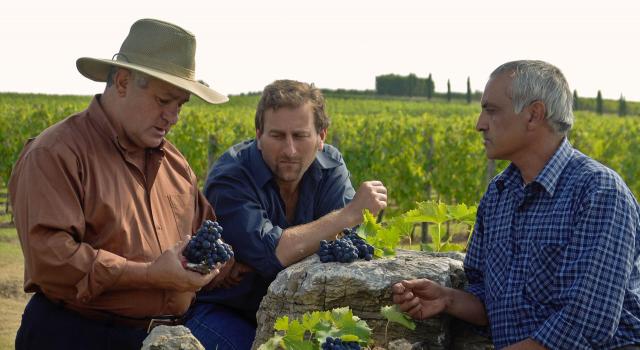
column 424, row 232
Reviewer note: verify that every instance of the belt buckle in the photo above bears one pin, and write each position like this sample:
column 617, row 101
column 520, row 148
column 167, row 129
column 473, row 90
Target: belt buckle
column 154, row 322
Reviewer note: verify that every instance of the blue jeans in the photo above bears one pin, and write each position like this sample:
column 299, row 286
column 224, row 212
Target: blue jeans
column 218, row 327
column 46, row 325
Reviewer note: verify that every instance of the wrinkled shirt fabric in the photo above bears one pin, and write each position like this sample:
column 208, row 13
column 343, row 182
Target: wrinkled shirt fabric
column 82, row 209
column 557, row 260
column 247, row 201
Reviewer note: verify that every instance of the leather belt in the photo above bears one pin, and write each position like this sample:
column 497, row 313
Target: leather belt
column 146, row 324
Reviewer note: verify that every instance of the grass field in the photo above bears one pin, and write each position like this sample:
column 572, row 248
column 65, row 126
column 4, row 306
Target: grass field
column 12, row 299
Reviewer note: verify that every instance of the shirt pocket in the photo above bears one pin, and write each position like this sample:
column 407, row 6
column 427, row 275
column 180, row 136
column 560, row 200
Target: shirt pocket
column 182, row 208
column 498, row 267
column 542, row 284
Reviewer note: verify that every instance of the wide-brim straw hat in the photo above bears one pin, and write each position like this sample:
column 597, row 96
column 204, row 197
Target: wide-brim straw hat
column 159, row 49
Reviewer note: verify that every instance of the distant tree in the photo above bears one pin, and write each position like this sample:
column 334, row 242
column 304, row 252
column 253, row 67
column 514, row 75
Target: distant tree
column 468, row 89
column 599, row 108
column 622, row 106
column 576, row 103
column 412, row 83
column 448, row 91
column 430, row 87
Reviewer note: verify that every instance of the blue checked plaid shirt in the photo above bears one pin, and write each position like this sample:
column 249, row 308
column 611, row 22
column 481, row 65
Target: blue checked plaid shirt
column 557, row 260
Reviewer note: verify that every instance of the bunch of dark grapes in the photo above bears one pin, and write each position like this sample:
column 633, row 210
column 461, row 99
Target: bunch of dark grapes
column 365, row 250
column 338, row 344
column 205, row 249
column 345, row 249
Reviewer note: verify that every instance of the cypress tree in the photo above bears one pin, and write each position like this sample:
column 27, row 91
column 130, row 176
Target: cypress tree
column 599, row 109
column 576, row 103
column 468, row 89
column 622, row 106
column 448, row 91
column 430, row 87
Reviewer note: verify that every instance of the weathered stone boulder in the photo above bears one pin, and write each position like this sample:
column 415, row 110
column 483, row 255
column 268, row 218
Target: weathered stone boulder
column 364, row 286
column 171, row 338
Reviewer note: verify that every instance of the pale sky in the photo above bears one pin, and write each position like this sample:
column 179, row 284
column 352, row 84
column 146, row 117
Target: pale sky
column 245, row 44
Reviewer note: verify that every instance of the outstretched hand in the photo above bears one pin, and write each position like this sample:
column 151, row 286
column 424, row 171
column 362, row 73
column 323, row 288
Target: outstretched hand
column 420, row 298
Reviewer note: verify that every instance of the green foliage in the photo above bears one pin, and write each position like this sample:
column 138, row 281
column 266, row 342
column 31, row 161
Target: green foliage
column 438, row 213
column 410, row 145
column 448, row 91
column 385, row 238
column 393, row 314
column 315, row 327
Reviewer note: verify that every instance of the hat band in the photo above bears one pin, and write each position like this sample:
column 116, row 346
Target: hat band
column 161, row 65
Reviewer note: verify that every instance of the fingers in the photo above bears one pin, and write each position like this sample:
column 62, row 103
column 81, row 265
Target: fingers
column 398, row 288
column 179, row 247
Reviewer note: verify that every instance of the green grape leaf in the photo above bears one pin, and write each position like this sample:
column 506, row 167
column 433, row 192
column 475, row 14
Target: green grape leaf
column 281, row 324
column 310, row 321
column 369, row 225
column 350, row 337
column 393, row 314
column 428, row 212
column 273, row 343
column 349, row 324
column 294, row 338
column 295, row 332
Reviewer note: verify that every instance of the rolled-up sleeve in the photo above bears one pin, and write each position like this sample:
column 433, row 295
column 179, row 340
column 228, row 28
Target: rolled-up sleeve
column 46, row 196
column 246, row 225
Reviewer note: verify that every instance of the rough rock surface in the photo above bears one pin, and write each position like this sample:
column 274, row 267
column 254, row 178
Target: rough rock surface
column 365, row 286
column 171, row 338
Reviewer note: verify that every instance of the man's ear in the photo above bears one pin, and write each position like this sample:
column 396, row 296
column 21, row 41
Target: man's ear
column 121, row 80
column 323, row 137
column 258, row 135
column 537, row 113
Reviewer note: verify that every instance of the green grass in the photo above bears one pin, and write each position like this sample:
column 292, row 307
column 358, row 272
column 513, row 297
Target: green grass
column 12, row 299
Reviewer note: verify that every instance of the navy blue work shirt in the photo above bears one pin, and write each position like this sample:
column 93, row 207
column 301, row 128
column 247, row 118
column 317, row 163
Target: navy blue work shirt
column 557, row 260
column 246, row 199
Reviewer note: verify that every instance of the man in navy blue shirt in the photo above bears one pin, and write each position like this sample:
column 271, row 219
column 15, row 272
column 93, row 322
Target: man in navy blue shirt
column 276, row 197
column 553, row 261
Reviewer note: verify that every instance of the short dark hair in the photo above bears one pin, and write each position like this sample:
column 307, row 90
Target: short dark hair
column 292, row 94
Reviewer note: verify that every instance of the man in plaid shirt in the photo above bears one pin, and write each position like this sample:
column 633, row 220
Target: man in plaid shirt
column 553, row 262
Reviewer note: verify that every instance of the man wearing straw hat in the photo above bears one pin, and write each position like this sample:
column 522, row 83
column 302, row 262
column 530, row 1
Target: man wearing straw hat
column 104, row 204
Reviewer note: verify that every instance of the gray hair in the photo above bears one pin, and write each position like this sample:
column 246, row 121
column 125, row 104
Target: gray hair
column 141, row 79
column 541, row 81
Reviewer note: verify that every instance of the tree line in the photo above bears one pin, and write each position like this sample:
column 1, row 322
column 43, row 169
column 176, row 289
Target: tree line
column 413, row 86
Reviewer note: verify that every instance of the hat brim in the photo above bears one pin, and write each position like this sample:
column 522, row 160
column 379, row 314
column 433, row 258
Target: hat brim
column 98, row 69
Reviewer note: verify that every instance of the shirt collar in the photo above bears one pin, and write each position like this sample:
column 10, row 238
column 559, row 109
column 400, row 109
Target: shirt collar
column 547, row 178
column 263, row 174
column 550, row 174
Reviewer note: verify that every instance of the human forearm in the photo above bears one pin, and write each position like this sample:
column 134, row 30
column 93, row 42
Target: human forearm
column 527, row 344
column 465, row 306
column 300, row 241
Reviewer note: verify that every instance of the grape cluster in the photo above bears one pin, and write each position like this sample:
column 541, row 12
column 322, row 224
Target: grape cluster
column 338, row 344
column 206, row 249
column 346, row 249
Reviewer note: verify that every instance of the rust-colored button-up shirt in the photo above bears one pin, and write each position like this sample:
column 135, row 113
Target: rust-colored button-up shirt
column 82, row 209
